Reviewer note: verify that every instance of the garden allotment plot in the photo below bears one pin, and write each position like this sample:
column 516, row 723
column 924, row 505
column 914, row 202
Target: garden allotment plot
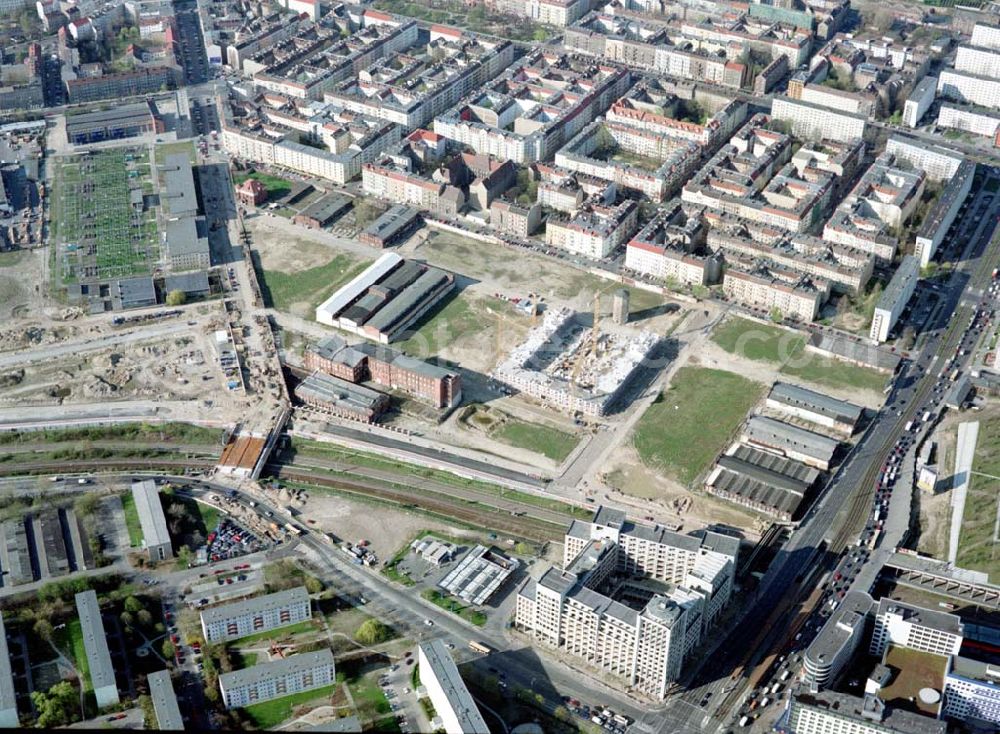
column 104, row 230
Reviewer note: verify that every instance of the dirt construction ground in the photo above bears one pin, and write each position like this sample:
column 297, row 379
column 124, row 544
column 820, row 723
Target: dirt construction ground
column 386, row 529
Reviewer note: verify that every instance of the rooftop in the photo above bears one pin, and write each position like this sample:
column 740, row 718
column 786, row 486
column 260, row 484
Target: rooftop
column 223, row 612
column 151, row 518
column 302, row 662
column 445, row 672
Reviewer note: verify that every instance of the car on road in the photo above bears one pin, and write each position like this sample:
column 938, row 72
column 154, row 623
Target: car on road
column 429, row 622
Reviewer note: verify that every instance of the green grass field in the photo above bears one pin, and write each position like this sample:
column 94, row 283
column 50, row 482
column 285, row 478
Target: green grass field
column 550, row 442
column 69, row 639
column 313, row 286
column 978, row 550
column 269, row 714
column 277, row 187
column 765, row 343
column 693, row 420
column 453, row 605
column 281, row 633
column 132, row 520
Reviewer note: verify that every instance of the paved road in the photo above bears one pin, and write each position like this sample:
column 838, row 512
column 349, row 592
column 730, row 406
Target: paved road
column 825, row 517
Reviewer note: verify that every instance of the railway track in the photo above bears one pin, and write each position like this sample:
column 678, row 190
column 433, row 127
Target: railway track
column 467, row 511
column 124, row 464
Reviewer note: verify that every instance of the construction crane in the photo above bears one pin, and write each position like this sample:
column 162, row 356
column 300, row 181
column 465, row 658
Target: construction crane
column 595, row 333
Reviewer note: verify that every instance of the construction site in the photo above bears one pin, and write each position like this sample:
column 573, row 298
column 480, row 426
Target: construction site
column 575, row 366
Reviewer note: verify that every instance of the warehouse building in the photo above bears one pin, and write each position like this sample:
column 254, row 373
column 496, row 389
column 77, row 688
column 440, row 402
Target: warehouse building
column 814, row 407
column 395, row 224
column 95, row 643
column 8, row 695
column 155, row 536
column 452, row 701
column 894, row 298
column 259, row 614
column 762, row 481
column 946, row 208
column 479, row 575
column 322, row 212
column 342, row 398
column 385, row 299
column 122, row 121
column 283, row 677
column 791, row 441
column 161, row 691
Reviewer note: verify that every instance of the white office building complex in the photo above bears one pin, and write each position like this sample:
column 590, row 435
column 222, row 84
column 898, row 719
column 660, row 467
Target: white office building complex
column 283, row 677
column 919, row 101
column 95, row 643
column 830, row 712
column 894, row 298
column 837, row 641
column 971, row 691
column 815, row 122
column 925, row 630
column 644, row 641
column 452, row 701
column 260, row 614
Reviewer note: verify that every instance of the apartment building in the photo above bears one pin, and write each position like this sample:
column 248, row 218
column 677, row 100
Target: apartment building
column 940, row 218
column 527, row 113
column 595, row 230
column 937, row 162
column 446, row 689
column 459, row 63
column 986, row 36
column 276, row 679
column 516, row 220
column 919, row 101
column 855, row 103
column 894, row 298
column 772, row 288
column 385, row 180
column 259, row 614
column 978, row 61
column 143, row 81
column 645, row 642
column 915, row 628
column 971, row 691
column 161, row 691
column 975, row 120
column 970, row 88
column 95, row 644
column 8, row 694
column 816, row 122
column 670, row 248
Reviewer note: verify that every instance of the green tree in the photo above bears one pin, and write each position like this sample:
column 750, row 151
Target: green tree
column 776, row 315
column 58, row 706
column 372, row 632
column 176, row 298
column 313, row 585
column 144, row 618
column 167, row 649
column 133, row 605
column 86, row 505
column 148, row 712
column 43, row 628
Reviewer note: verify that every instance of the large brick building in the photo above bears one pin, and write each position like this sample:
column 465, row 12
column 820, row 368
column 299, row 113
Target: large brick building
column 387, row 367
